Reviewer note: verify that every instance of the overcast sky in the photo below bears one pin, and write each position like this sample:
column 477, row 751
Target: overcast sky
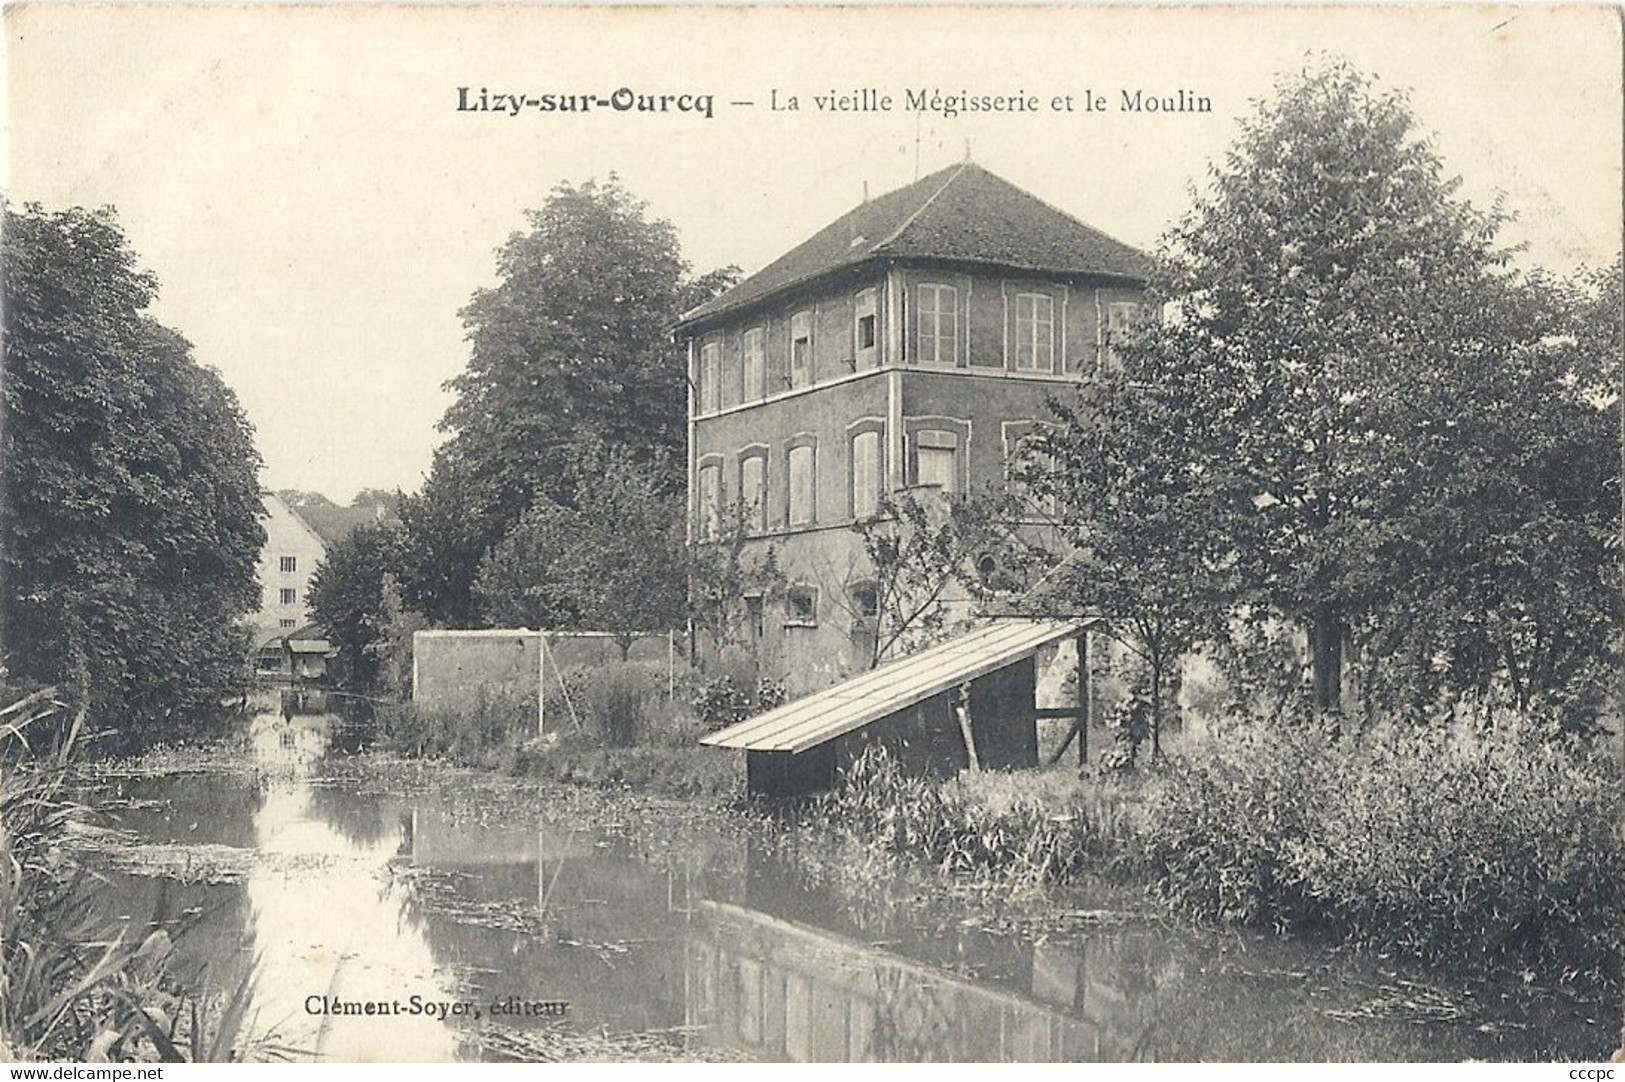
column 317, row 209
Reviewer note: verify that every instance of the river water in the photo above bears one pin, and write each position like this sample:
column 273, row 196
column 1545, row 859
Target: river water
column 486, row 919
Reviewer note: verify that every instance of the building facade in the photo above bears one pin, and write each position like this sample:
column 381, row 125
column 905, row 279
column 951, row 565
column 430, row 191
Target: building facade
column 909, row 345
column 292, row 551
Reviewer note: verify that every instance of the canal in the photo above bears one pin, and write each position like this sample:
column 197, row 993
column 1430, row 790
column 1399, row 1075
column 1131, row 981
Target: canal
column 484, row 918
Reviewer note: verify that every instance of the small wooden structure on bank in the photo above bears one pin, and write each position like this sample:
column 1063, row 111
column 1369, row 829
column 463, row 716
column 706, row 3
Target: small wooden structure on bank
column 970, row 702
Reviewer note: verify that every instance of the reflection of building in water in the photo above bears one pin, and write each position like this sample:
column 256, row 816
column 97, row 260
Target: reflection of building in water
column 780, row 990
column 292, row 735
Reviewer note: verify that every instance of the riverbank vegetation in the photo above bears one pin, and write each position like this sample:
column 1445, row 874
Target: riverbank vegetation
column 76, row 984
column 1492, row 845
column 622, row 725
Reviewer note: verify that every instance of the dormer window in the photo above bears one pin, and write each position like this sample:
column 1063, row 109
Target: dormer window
column 863, row 330
column 801, row 349
column 1035, row 332
column 938, row 321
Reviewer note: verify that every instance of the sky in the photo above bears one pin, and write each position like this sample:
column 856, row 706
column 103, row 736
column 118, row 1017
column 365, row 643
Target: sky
column 317, row 208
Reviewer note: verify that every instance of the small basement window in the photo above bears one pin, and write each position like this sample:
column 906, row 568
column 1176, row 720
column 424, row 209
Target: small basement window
column 801, row 606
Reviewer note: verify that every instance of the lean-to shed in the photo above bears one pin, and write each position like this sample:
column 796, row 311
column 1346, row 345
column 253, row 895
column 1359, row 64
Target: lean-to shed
column 974, row 695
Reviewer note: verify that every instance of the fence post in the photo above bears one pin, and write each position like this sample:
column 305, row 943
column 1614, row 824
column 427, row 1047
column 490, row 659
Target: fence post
column 541, row 683
column 1085, row 699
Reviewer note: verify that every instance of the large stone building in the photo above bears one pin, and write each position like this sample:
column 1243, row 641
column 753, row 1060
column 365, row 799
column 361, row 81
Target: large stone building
column 912, row 343
column 292, row 551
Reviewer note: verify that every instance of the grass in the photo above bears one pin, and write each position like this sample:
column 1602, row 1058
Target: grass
column 1465, row 843
column 72, row 986
column 623, row 732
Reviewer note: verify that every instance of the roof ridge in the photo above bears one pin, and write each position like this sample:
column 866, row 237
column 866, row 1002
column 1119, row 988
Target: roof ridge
column 900, row 230
column 1068, row 215
column 300, row 519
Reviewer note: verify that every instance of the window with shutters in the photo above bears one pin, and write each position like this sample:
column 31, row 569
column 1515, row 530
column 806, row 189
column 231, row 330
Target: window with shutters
column 802, row 461
column 867, row 476
column 1035, row 332
column 755, row 365
column 753, row 490
column 1121, row 318
column 801, row 355
column 290, row 563
column 935, row 455
column 710, row 376
column 710, row 501
column 863, row 331
column 1027, row 468
column 288, row 597
column 938, row 324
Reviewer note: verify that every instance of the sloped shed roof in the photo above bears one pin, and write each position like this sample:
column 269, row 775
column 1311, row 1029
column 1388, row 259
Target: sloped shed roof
column 962, row 213
column 878, row 693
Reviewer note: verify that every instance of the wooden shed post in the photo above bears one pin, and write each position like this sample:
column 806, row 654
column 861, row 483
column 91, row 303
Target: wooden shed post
column 962, row 712
column 1085, row 697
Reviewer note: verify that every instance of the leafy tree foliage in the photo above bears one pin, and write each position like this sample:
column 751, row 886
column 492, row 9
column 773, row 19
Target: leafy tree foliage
column 1142, row 536
column 1330, row 286
column 1355, row 415
column 571, row 347
column 610, row 558
column 724, row 573
column 922, row 552
column 348, row 594
column 131, row 500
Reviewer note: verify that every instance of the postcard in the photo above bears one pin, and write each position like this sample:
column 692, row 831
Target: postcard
column 840, row 534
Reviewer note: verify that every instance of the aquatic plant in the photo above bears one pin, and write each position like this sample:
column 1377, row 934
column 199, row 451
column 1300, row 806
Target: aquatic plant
column 72, row 984
column 623, row 731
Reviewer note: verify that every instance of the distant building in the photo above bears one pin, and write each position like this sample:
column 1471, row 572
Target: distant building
column 292, row 551
column 910, row 344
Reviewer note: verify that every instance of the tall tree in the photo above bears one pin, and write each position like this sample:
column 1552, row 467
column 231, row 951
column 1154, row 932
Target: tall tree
column 1138, row 532
column 1332, row 292
column 131, row 501
column 348, row 594
column 610, row 558
column 570, row 347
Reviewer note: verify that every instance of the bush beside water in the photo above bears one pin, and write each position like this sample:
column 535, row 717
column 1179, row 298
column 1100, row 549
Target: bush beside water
column 1462, row 842
column 623, row 729
column 1496, row 843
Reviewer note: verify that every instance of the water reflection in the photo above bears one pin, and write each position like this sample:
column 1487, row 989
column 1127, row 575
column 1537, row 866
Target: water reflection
column 786, row 992
column 358, row 897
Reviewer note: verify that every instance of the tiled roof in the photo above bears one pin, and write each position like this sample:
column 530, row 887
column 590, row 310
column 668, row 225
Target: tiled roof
column 962, row 213
column 878, row 693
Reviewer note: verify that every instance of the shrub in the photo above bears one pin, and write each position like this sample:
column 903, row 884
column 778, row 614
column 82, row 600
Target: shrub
column 621, row 704
column 1023, row 828
column 482, row 733
column 1484, row 841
